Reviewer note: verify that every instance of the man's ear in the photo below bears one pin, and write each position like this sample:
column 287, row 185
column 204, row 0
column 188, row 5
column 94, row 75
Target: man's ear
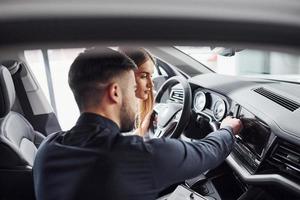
column 114, row 93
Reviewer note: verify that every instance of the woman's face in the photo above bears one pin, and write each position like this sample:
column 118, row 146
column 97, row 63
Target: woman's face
column 143, row 77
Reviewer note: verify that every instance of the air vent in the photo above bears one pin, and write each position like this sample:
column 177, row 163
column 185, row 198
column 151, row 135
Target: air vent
column 281, row 100
column 287, row 158
column 176, row 95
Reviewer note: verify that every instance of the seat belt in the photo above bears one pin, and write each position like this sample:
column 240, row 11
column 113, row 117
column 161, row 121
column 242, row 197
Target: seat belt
column 22, row 96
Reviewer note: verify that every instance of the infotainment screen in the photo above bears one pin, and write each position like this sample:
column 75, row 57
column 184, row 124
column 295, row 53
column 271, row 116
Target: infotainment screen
column 255, row 133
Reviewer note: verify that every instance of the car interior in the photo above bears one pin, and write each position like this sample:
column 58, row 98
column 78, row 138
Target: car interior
column 264, row 163
column 242, row 62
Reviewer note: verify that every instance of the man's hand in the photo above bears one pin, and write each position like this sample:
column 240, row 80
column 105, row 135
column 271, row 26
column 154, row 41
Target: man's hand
column 234, row 123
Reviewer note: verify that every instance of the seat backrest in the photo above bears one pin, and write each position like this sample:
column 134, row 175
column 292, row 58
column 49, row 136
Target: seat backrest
column 18, row 140
column 18, row 145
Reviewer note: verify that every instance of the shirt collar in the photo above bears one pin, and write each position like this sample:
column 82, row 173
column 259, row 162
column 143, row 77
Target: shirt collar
column 92, row 118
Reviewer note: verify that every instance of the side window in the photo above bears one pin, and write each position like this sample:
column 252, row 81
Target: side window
column 159, row 70
column 35, row 60
column 162, row 71
column 160, row 75
column 59, row 62
column 156, row 72
column 165, row 69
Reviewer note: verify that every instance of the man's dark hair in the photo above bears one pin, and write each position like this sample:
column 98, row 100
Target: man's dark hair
column 92, row 70
column 138, row 55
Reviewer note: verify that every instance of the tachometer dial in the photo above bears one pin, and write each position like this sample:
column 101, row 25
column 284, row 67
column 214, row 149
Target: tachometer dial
column 219, row 110
column 199, row 101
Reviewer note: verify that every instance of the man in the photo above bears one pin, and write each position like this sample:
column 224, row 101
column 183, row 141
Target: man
column 94, row 161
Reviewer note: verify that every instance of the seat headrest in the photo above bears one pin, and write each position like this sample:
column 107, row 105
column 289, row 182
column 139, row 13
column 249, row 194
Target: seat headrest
column 12, row 65
column 7, row 91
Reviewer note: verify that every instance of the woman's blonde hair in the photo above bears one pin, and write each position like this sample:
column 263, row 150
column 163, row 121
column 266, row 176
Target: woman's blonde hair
column 145, row 107
column 140, row 56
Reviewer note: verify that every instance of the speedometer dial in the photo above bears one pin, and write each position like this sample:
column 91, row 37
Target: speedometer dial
column 219, row 110
column 199, row 101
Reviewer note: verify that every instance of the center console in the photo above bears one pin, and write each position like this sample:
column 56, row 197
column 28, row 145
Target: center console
column 253, row 140
column 183, row 192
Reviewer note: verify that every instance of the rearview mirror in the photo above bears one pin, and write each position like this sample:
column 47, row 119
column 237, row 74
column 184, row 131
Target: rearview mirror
column 227, row 52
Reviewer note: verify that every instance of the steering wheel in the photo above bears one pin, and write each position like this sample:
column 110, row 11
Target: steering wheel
column 172, row 117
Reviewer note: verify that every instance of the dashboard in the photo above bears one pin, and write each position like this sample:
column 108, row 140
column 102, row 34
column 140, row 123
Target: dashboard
column 254, row 139
column 267, row 150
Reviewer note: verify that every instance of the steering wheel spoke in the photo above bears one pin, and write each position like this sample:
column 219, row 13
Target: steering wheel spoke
column 165, row 131
column 157, row 132
column 172, row 117
column 158, row 107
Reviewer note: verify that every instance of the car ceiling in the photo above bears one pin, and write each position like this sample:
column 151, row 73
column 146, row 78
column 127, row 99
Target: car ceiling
column 255, row 10
column 264, row 23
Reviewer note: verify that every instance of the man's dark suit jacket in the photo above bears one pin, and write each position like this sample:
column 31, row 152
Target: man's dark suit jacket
column 94, row 161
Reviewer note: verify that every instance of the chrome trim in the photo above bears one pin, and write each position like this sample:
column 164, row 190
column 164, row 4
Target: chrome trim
column 261, row 178
column 223, row 103
column 195, row 100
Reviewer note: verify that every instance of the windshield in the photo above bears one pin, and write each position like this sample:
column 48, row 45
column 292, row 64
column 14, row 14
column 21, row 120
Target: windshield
column 254, row 63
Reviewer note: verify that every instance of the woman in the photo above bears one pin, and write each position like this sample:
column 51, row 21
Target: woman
column 144, row 91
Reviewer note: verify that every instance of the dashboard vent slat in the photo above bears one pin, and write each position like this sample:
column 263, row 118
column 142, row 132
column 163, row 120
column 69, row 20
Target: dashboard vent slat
column 287, row 156
column 281, row 100
column 177, row 95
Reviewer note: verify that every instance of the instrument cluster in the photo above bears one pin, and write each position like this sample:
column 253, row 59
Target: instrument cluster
column 209, row 103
